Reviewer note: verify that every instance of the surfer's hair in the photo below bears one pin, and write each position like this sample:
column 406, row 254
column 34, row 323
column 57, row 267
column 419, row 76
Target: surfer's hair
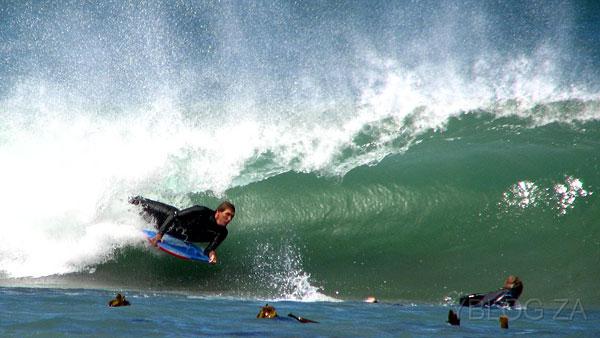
column 226, row 205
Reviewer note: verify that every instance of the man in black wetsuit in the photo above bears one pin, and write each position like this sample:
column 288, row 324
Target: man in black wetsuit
column 194, row 224
column 505, row 297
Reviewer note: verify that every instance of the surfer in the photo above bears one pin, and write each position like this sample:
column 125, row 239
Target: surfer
column 118, row 301
column 268, row 312
column 505, row 297
column 194, row 224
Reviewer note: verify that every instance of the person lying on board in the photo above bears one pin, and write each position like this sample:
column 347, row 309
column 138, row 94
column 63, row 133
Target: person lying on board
column 505, row 297
column 194, row 224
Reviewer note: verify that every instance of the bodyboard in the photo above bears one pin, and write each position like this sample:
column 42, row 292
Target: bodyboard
column 178, row 248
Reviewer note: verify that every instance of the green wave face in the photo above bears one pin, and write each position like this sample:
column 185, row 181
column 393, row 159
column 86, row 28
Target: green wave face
column 457, row 212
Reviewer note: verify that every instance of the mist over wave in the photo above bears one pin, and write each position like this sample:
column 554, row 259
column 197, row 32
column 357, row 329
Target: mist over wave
column 192, row 102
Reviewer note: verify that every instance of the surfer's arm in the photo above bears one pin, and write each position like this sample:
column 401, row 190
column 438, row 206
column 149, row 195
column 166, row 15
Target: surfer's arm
column 163, row 228
column 219, row 237
column 166, row 224
column 211, row 248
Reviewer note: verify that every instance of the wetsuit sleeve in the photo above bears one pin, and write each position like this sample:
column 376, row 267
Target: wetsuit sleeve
column 168, row 223
column 220, row 237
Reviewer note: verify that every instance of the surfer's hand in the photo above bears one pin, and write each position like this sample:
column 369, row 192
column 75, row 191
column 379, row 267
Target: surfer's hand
column 212, row 257
column 156, row 239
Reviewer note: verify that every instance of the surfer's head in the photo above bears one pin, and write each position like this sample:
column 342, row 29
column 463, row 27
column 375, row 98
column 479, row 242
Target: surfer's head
column 267, row 311
column 225, row 213
column 118, row 301
column 514, row 284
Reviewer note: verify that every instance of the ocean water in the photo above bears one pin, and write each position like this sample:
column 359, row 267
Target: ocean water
column 412, row 151
column 80, row 312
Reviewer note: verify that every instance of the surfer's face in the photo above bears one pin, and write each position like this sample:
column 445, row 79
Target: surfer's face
column 224, row 217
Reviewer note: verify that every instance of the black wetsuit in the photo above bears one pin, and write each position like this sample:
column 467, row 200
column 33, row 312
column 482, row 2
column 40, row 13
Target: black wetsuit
column 501, row 298
column 194, row 224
